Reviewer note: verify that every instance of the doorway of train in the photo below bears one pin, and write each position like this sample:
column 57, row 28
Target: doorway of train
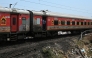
column 44, row 22
column 14, row 22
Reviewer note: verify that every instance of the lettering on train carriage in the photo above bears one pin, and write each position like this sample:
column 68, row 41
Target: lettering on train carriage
column 3, row 21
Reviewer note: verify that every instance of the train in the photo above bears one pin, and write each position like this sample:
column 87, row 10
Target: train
column 19, row 23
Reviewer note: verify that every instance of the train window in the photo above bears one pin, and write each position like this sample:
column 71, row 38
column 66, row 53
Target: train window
column 85, row 23
column 55, row 22
column 88, row 23
column 62, row 22
column 73, row 22
column 34, row 21
column 77, row 23
column 14, row 21
column 38, row 20
column 68, row 22
column 23, row 20
column 81, row 23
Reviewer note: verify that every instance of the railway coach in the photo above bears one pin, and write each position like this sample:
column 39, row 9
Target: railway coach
column 66, row 22
column 19, row 24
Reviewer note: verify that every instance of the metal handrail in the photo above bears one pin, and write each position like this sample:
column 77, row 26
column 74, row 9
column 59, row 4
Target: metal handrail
column 83, row 33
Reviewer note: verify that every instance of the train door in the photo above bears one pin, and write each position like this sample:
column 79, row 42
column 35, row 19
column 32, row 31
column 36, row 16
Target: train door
column 24, row 23
column 14, row 22
column 44, row 22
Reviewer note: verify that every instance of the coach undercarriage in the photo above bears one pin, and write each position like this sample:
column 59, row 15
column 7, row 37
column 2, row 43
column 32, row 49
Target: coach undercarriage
column 17, row 36
column 12, row 36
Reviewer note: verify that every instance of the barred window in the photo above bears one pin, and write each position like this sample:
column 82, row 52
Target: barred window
column 85, row 23
column 68, row 22
column 38, row 20
column 88, row 23
column 91, row 23
column 62, row 22
column 81, row 23
column 55, row 22
column 14, row 20
column 73, row 22
column 77, row 23
column 24, row 20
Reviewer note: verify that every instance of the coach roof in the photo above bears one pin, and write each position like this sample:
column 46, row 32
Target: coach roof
column 48, row 13
column 22, row 11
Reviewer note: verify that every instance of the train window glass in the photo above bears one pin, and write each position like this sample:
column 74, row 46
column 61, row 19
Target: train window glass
column 33, row 21
column 73, row 22
column 14, row 21
column 88, row 23
column 68, row 22
column 84, row 23
column 23, row 20
column 55, row 22
column 38, row 20
column 62, row 22
column 81, row 23
column 91, row 23
column 77, row 23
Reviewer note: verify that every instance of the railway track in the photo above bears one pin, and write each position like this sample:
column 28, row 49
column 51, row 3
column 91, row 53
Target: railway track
column 32, row 47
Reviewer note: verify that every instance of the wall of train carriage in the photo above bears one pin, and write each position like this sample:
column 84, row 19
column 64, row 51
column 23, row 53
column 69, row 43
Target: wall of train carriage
column 59, row 23
column 24, row 22
column 25, row 19
column 4, row 22
column 37, row 23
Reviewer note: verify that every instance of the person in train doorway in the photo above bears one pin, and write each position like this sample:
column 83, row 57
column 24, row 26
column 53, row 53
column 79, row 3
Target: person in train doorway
column 44, row 24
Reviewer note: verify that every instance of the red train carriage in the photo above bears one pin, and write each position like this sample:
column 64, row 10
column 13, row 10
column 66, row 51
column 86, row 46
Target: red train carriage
column 13, row 23
column 62, row 22
column 35, row 24
column 18, row 24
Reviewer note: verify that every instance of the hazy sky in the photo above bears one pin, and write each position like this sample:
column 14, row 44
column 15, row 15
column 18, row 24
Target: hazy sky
column 76, row 7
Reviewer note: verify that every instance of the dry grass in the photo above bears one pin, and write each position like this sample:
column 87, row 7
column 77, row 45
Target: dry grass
column 86, row 43
column 50, row 52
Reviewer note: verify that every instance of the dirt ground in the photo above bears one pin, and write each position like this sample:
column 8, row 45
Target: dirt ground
column 65, row 47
